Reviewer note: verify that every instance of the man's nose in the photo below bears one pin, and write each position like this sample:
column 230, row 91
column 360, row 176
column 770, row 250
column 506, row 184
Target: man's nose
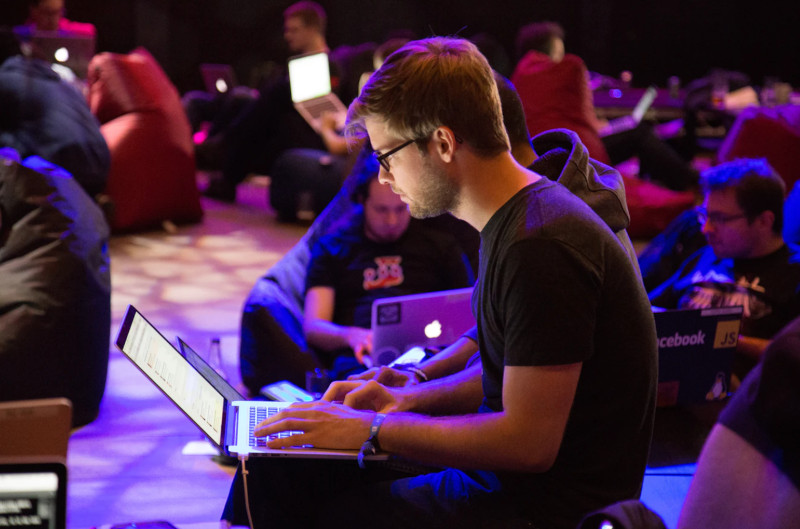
column 384, row 176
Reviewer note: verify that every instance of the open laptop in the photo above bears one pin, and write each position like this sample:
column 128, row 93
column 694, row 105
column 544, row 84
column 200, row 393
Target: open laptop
column 310, row 86
column 429, row 320
column 228, row 424
column 218, row 78
column 35, row 428
column 695, row 353
column 632, row 120
column 33, row 493
column 72, row 51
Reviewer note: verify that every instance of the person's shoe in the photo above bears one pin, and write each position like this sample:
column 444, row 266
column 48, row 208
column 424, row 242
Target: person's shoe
column 220, row 189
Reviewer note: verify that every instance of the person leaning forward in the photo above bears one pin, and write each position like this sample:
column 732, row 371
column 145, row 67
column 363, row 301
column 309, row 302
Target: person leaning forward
column 559, row 421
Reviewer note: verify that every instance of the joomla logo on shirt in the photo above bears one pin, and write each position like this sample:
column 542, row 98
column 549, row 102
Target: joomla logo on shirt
column 682, row 340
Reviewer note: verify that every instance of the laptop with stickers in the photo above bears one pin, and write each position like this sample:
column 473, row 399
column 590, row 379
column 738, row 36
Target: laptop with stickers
column 428, row 320
column 695, row 353
column 208, row 403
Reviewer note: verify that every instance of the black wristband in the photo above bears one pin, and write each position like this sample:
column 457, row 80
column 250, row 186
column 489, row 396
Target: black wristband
column 371, row 446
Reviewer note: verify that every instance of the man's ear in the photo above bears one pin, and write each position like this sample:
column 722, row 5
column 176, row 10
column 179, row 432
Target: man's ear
column 444, row 141
column 766, row 219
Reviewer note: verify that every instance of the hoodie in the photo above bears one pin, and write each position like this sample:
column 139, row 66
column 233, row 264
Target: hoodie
column 563, row 158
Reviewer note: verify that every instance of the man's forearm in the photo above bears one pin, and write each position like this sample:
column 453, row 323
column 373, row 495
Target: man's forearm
column 325, row 335
column 451, row 360
column 455, row 394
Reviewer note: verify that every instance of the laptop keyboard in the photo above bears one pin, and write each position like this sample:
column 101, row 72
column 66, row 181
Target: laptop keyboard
column 258, row 414
column 316, row 108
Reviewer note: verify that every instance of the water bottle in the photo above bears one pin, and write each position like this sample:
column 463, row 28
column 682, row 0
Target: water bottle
column 215, row 357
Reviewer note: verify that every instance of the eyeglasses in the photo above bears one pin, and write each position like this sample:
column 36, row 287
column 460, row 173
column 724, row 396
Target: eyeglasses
column 717, row 219
column 382, row 158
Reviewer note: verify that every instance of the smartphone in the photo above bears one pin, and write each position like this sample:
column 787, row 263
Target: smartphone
column 415, row 355
column 285, row 391
column 155, row 524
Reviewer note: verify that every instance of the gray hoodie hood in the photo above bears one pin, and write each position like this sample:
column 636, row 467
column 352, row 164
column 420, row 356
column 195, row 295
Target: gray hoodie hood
column 563, row 158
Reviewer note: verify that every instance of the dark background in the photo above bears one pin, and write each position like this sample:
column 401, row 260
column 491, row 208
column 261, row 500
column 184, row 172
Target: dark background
column 652, row 39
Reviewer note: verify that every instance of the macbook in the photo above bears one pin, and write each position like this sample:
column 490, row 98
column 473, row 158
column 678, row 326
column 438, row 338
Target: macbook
column 208, row 401
column 310, row 86
column 74, row 52
column 430, row 320
column 218, row 78
column 695, row 353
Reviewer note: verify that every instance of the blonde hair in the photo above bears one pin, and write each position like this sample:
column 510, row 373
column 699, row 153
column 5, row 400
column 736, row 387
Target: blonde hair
column 431, row 83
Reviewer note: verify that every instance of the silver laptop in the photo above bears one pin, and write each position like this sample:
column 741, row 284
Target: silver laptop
column 74, row 51
column 228, row 424
column 310, row 86
column 218, row 78
column 631, row 121
column 429, row 320
column 695, row 353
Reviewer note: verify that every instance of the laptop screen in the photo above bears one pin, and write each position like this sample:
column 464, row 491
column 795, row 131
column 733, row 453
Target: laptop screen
column 309, row 76
column 156, row 357
column 33, row 495
column 74, row 52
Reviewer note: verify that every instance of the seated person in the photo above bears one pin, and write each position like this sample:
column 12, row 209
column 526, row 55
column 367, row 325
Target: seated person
column 555, row 93
column 48, row 15
column 45, row 116
column 378, row 251
column 268, row 125
column 531, row 424
column 748, row 474
column 560, row 156
column 745, row 262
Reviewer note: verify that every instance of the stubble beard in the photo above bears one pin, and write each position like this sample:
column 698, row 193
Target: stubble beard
column 439, row 193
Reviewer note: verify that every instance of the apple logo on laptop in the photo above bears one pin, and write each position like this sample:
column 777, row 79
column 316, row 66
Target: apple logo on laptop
column 433, row 329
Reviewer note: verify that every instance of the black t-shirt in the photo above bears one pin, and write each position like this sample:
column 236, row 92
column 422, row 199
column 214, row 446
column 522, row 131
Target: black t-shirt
column 767, row 287
column 557, row 287
column 765, row 410
column 361, row 270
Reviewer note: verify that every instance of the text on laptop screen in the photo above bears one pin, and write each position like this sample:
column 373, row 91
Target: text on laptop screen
column 156, row 357
column 29, row 499
column 309, row 77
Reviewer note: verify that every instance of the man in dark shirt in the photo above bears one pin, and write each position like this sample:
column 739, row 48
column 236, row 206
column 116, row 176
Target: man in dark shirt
column 745, row 262
column 378, row 252
column 559, row 422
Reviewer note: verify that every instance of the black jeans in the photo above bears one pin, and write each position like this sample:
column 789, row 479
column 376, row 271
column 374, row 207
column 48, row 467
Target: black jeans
column 333, row 493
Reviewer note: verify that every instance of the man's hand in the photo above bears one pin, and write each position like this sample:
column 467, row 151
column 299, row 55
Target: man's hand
column 360, row 341
column 368, row 395
column 324, row 425
column 388, row 376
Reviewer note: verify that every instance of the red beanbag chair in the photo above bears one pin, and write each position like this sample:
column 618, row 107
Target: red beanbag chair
column 771, row 133
column 152, row 176
column 653, row 207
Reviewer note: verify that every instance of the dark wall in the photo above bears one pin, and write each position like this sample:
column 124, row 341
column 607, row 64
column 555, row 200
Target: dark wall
column 653, row 39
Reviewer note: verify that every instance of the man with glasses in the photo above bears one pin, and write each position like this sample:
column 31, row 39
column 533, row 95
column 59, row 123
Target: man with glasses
column 380, row 251
column 745, row 262
column 559, row 421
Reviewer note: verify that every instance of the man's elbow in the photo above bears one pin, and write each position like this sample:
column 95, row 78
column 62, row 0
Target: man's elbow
column 535, row 460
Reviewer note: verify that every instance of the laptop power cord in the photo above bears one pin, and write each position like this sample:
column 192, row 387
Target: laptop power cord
column 243, row 459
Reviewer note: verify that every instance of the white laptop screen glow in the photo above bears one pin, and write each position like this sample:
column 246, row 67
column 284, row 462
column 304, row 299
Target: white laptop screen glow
column 309, row 77
column 155, row 356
